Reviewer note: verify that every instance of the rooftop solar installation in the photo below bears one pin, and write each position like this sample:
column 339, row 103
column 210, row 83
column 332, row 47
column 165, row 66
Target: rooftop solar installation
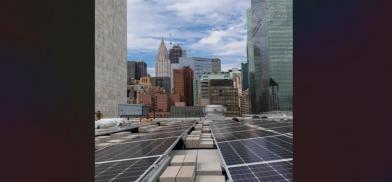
column 276, row 171
column 262, row 153
column 255, row 150
column 153, row 136
column 271, row 124
column 127, row 170
column 134, row 149
column 232, row 129
column 222, row 137
column 283, row 129
column 134, row 157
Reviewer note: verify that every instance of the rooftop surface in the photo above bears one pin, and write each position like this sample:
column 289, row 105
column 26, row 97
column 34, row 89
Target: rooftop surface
column 253, row 149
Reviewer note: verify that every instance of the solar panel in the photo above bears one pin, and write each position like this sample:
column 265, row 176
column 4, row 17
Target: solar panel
column 222, row 137
column 255, row 150
column 130, row 160
column 153, row 136
column 134, row 149
column 232, row 129
column 271, row 124
column 128, row 170
column 277, row 171
column 228, row 124
column 284, row 129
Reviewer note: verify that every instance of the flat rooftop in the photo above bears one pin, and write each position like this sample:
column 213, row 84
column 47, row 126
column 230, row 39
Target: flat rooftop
column 253, row 149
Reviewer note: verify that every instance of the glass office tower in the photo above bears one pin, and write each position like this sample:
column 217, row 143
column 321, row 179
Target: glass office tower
column 258, row 64
column 270, row 57
column 280, row 54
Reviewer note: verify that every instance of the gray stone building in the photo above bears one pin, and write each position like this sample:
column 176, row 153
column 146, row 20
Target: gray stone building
column 110, row 56
column 216, row 65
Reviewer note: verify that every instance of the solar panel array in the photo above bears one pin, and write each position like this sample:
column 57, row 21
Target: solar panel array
column 134, row 149
column 274, row 171
column 128, row 170
column 174, row 130
column 259, row 150
column 131, row 160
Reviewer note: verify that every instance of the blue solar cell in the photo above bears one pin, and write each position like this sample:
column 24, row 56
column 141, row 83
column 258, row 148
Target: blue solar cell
column 134, row 149
column 254, row 150
column 129, row 170
column 278, row 171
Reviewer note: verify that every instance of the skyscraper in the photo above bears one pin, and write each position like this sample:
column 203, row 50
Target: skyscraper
column 141, row 70
column 131, row 71
column 199, row 66
column 183, row 84
column 222, row 92
column 245, row 76
column 175, row 53
column 216, row 65
column 162, row 68
column 110, row 56
column 203, row 97
column 136, row 70
column 280, row 57
column 270, row 55
column 163, row 82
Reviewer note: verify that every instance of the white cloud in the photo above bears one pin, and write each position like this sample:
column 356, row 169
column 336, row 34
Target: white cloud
column 210, row 10
column 209, row 27
column 225, row 42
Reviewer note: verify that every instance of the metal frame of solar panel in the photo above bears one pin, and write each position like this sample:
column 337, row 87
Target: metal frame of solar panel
column 131, row 161
column 277, row 126
column 127, row 170
column 274, row 171
column 243, row 152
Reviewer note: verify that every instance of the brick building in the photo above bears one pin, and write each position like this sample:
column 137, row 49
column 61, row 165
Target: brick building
column 183, row 84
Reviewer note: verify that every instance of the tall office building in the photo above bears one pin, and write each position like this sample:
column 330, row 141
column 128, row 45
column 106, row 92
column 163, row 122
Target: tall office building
column 203, row 97
column 162, row 68
column 216, row 65
column 222, row 92
column 141, row 70
column 258, row 66
column 136, row 70
column 183, row 84
column 270, row 55
column 199, row 66
column 280, row 57
column 110, row 56
column 131, row 71
column 245, row 76
column 175, row 53
column 163, row 82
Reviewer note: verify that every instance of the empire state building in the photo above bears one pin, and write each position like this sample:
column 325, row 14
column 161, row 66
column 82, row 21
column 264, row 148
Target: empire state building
column 162, row 68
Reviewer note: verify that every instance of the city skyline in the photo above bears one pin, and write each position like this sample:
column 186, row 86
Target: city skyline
column 203, row 28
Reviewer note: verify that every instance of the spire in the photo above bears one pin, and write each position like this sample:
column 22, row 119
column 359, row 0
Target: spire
column 162, row 60
column 162, row 47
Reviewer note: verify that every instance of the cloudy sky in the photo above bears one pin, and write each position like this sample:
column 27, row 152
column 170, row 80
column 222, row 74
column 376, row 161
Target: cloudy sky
column 205, row 28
